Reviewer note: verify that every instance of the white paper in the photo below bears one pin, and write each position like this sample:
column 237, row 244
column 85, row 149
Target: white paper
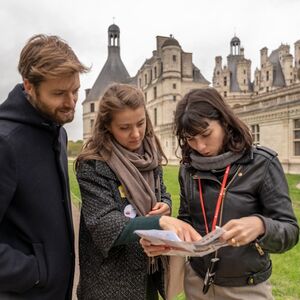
column 209, row 243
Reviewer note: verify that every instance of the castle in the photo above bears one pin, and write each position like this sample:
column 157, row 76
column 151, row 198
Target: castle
column 270, row 104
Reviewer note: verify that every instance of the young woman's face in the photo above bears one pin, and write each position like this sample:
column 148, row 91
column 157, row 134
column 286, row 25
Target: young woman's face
column 128, row 127
column 210, row 141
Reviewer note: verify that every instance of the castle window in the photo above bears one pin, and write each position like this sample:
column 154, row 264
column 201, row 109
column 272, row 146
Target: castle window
column 92, row 107
column 218, row 73
column 297, row 137
column 225, row 94
column 173, row 143
column 225, row 81
column 255, row 134
column 155, row 92
column 140, row 82
column 92, row 123
column 145, row 94
column 174, row 85
column 244, row 81
column 174, row 98
column 155, row 72
column 256, row 80
column 174, row 58
column 267, row 76
column 244, row 71
column 267, row 89
column 155, row 116
column 146, row 79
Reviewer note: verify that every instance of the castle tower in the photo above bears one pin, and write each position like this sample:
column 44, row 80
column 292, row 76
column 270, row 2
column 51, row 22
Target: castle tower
column 171, row 58
column 113, row 71
column 234, row 79
column 263, row 57
column 235, row 45
column 217, row 72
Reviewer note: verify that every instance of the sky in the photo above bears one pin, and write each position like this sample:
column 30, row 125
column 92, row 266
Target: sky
column 202, row 27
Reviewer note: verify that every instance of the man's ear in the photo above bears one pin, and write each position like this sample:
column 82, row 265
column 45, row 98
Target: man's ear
column 29, row 88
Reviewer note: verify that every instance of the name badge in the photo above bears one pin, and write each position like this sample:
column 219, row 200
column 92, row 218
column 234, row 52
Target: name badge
column 129, row 211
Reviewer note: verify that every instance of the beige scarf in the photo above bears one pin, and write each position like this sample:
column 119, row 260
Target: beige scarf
column 135, row 170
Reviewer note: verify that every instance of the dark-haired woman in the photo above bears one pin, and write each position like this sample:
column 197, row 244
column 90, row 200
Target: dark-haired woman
column 226, row 181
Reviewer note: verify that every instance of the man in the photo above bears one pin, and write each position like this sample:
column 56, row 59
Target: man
column 36, row 231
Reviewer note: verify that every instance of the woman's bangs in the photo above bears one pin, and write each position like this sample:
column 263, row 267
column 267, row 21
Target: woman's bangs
column 192, row 126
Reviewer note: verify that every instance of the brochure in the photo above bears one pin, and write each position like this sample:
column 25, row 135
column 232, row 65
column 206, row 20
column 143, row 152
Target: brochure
column 209, row 243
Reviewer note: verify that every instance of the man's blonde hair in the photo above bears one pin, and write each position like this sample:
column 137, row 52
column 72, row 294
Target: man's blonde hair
column 45, row 57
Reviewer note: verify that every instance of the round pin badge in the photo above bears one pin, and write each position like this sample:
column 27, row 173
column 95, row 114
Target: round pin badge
column 129, row 211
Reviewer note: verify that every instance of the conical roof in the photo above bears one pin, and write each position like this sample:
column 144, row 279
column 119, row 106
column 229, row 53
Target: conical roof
column 113, row 71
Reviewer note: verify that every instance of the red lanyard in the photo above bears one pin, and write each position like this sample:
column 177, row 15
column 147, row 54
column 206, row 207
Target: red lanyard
column 219, row 202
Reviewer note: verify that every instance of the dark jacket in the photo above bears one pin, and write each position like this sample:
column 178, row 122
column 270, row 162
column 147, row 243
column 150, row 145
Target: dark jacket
column 256, row 186
column 110, row 268
column 36, row 231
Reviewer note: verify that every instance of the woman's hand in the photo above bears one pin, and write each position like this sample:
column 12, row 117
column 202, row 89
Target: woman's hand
column 184, row 231
column 243, row 231
column 160, row 208
column 153, row 250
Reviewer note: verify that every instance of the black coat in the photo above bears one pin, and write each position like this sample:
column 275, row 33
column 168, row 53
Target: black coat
column 36, row 230
column 256, row 186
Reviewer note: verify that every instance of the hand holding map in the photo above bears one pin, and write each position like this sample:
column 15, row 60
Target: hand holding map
column 209, row 243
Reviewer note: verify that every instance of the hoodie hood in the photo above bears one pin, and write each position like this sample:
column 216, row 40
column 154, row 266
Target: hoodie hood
column 17, row 108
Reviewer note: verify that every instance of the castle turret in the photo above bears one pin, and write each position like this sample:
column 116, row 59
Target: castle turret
column 171, row 57
column 113, row 71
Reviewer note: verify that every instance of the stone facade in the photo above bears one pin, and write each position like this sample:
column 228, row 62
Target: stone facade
column 165, row 78
column 274, row 118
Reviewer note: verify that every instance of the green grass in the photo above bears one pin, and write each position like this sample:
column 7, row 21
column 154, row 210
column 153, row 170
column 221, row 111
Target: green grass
column 75, row 192
column 285, row 278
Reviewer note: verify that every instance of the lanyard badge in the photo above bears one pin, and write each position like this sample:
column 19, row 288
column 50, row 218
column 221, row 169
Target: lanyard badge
column 212, row 268
column 210, row 274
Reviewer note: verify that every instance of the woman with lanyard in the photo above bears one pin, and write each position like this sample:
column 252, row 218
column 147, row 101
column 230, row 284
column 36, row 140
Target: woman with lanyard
column 120, row 177
column 227, row 182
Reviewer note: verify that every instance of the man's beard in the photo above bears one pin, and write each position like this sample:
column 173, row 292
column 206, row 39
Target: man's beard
column 48, row 114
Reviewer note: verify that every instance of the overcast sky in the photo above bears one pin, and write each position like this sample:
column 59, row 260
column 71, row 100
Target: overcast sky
column 203, row 27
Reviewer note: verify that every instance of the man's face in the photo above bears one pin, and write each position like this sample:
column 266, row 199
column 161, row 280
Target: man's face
column 55, row 98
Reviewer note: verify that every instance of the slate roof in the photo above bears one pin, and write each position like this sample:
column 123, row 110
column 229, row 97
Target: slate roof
column 278, row 77
column 170, row 42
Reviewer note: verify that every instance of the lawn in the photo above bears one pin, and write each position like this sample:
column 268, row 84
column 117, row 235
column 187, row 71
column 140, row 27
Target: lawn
column 286, row 267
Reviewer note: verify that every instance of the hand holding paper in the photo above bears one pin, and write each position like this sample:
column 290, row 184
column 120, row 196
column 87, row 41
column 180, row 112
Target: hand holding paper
column 169, row 240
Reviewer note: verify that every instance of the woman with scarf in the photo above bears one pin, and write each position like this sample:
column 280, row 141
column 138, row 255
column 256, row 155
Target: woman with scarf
column 226, row 181
column 120, row 178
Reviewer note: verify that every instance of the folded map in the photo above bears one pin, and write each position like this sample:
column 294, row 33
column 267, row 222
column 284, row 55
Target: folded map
column 209, row 243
